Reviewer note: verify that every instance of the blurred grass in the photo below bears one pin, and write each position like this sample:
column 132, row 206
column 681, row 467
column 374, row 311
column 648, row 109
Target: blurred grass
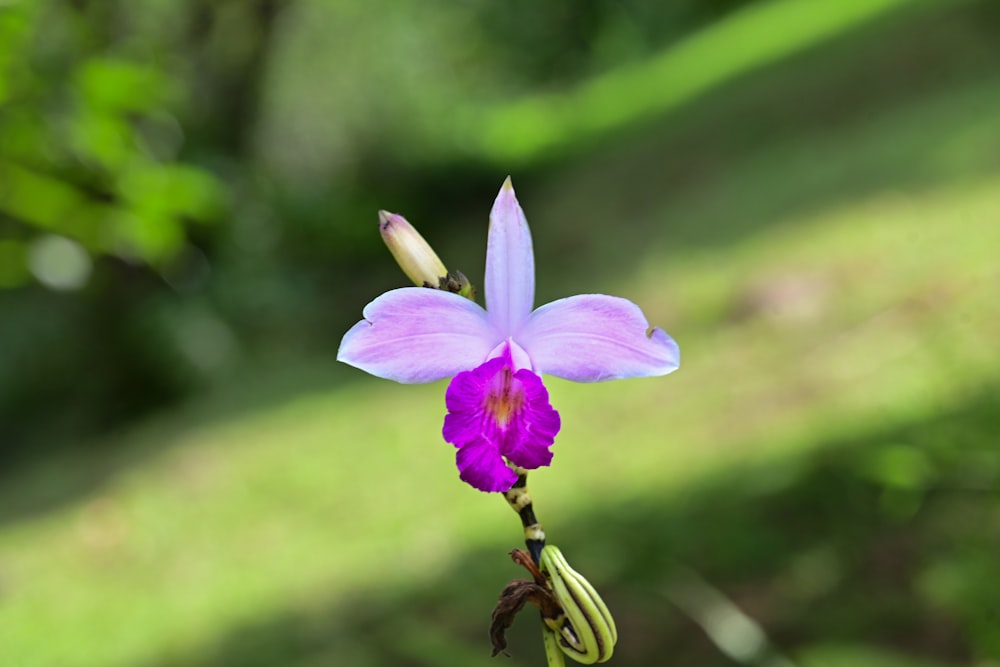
column 484, row 113
column 824, row 455
column 527, row 130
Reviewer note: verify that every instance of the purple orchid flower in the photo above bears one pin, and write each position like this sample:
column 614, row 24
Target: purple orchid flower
column 498, row 407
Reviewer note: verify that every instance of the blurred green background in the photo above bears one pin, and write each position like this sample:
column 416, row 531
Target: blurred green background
column 805, row 193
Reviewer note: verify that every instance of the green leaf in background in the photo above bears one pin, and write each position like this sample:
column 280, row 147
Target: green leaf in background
column 121, row 86
column 13, row 263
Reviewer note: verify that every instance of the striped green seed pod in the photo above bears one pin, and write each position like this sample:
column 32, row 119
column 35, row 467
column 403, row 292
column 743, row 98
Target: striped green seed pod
column 585, row 631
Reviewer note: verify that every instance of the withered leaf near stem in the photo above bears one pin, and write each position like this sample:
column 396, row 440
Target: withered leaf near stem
column 512, row 600
column 515, row 595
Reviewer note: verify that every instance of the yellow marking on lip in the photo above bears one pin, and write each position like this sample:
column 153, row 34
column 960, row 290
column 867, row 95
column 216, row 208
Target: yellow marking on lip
column 505, row 400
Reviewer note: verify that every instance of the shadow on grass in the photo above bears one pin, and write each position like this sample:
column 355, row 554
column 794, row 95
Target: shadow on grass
column 881, row 545
column 37, row 482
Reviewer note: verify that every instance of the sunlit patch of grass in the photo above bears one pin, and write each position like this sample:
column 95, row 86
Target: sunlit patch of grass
column 762, row 33
column 845, row 321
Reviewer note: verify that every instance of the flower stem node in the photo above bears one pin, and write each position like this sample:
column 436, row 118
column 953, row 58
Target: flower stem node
column 413, row 254
column 456, row 283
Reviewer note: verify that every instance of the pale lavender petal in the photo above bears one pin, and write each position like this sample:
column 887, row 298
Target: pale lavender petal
column 480, row 465
column 510, row 264
column 593, row 337
column 414, row 334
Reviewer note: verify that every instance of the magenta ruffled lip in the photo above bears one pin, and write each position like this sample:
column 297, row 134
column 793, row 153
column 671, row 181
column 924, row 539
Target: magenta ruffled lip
column 497, row 413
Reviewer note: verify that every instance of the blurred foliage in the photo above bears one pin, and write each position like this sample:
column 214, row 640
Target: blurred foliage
column 90, row 140
column 111, row 199
column 567, row 41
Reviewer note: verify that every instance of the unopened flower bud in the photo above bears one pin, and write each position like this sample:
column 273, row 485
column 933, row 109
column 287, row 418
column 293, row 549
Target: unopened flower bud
column 413, row 254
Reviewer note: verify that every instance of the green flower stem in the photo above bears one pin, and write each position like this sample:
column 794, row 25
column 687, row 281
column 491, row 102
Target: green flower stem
column 553, row 653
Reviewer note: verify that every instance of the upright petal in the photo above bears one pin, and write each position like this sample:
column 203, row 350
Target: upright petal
column 414, row 334
column 593, row 337
column 510, row 264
